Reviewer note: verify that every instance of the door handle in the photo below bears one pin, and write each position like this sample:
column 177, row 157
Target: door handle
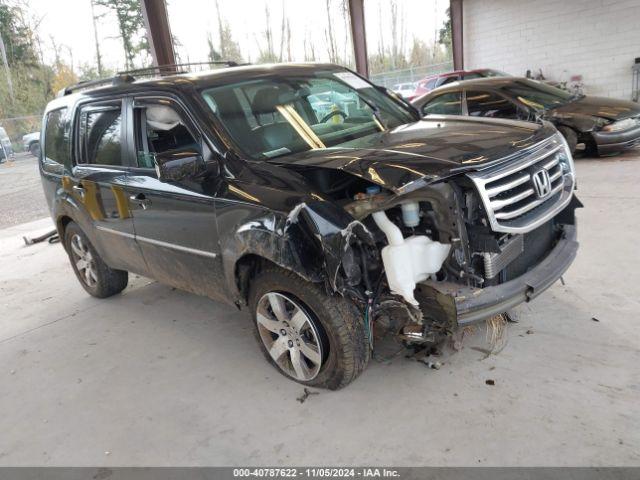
column 79, row 189
column 141, row 199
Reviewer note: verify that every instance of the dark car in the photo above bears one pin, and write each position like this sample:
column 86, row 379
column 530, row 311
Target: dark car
column 602, row 125
column 229, row 184
column 434, row 81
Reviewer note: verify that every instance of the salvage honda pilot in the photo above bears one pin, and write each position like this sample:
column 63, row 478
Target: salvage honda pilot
column 322, row 203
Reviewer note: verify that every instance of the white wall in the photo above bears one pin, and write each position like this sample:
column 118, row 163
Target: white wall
column 598, row 39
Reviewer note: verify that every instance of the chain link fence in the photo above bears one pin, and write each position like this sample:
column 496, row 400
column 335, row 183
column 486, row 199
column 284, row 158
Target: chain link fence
column 409, row 75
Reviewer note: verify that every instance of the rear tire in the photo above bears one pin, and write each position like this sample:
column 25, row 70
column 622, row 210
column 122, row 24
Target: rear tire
column 571, row 137
column 335, row 322
column 98, row 279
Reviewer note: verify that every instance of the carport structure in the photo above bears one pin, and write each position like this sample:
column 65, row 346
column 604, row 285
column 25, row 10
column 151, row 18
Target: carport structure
column 158, row 376
column 158, row 28
column 600, row 46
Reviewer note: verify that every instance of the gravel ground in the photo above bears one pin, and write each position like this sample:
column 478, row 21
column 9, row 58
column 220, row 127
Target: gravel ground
column 21, row 194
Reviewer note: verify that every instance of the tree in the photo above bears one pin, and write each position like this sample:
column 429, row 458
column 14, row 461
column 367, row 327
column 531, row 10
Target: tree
column 21, row 105
column 444, row 36
column 229, row 49
column 131, row 27
column 332, row 49
column 95, row 38
column 267, row 55
column 63, row 77
column 420, row 54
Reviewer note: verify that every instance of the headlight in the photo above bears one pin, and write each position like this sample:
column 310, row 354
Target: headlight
column 620, row 125
column 566, row 159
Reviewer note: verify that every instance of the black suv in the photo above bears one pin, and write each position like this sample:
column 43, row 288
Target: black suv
column 323, row 203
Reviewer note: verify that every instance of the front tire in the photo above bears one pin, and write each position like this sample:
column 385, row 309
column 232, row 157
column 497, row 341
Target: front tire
column 98, row 279
column 310, row 337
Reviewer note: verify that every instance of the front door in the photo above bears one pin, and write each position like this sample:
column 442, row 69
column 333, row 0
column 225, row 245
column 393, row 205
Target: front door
column 174, row 222
column 98, row 183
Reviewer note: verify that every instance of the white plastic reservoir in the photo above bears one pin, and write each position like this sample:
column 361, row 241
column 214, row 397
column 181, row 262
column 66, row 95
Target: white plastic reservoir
column 408, row 261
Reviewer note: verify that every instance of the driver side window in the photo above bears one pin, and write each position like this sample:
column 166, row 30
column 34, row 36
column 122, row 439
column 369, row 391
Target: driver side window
column 159, row 128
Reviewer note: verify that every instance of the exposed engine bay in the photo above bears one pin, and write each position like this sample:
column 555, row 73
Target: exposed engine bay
column 417, row 259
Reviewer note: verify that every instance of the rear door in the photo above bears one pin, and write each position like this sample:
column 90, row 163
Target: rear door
column 174, row 222
column 98, row 183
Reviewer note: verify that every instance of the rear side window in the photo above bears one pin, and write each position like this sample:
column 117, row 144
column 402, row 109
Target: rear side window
column 488, row 104
column 100, row 135
column 56, row 137
column 445, row 104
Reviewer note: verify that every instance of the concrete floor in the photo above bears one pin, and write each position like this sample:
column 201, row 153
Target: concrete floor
column 21, row 191
column 160, row 377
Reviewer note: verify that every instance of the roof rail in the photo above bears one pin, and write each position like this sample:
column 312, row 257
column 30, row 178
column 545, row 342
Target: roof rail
column 116, row 80
column 128, row 76
column 174, row 68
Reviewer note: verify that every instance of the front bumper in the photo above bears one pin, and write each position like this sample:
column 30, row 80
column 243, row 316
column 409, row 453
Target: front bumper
column 466, row 306
column 611, row 142
column 491, row 301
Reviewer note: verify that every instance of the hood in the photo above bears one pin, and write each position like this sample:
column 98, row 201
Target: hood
column 608, row 108
column 429, row 149
column 31, row 136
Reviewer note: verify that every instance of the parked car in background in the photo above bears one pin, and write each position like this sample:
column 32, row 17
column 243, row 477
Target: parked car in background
column 434, row 81
column 405, row 90
column 6, row 150
column 31, row 143
column 232, row 184
column 602, row 125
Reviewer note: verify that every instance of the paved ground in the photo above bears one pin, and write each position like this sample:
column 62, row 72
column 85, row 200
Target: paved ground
column 160, row 377
column 21, row 198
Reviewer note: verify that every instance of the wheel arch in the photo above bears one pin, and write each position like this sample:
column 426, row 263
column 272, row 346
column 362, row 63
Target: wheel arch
column 251, row 264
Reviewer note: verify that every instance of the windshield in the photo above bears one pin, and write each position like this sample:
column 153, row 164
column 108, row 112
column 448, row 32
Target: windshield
column 537, row 95
column 274, row 116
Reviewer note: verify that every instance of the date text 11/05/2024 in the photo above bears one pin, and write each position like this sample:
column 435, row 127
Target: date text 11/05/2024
column 316, row 472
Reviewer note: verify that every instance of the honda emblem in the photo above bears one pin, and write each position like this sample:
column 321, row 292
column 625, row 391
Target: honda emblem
column 541, row 183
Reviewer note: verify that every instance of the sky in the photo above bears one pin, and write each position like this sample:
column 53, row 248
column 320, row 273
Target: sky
column 191, row 21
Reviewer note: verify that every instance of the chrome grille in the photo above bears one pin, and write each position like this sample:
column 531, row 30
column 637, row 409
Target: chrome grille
column 509, row 194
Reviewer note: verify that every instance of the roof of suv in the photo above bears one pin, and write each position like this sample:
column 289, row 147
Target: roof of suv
column 189, row 81
column 484, row 81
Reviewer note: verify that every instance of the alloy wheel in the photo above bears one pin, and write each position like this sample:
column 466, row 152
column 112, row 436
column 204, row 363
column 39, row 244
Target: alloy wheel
column 289, row 335
column 83, row 259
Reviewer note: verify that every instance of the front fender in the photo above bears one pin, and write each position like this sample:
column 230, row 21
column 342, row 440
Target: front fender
column 311, row 240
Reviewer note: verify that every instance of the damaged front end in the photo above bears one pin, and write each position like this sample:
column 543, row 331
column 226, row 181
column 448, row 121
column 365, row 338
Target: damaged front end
column 439, row 255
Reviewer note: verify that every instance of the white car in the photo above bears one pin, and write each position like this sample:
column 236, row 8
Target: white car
column 31, row 143
column 405, row 90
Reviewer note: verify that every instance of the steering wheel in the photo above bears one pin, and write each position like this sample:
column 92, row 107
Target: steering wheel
column 330, row 115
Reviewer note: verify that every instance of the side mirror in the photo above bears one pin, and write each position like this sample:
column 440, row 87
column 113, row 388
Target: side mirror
column 179, row 165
